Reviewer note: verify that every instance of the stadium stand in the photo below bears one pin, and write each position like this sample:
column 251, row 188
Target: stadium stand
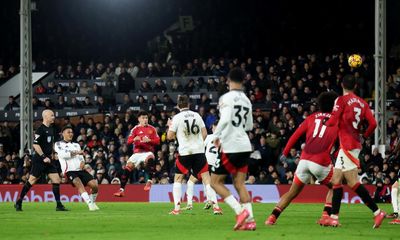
column 100, row 101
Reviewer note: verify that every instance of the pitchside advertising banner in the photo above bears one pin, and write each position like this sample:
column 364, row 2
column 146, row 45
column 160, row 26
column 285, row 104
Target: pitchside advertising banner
column 163, row 193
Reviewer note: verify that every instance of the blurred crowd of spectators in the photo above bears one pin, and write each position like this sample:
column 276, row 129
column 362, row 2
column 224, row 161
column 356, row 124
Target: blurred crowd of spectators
column 286, row 86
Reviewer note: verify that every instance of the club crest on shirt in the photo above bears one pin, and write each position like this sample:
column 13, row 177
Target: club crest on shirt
column 49, row 139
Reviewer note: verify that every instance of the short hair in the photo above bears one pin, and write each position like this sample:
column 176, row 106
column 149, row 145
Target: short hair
column 142, row 113
column 183, row 101
column 326, row 100
column 349, row 82
column 68, row 126
column 236, row 75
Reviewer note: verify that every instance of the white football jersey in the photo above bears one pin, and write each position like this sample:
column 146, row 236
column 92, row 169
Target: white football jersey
column 236, row 117
column 187, row 125
column 67, row 162
column 212, row 152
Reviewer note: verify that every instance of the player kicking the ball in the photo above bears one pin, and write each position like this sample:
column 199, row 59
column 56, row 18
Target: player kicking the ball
column 71, row 160
column 315, row 158
column 144, row 137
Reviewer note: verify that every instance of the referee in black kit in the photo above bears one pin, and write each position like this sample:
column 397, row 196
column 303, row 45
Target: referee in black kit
column 41, row 161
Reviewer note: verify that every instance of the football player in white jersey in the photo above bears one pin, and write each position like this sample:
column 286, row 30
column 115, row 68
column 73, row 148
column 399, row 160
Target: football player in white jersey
column 72, row 162
column 189, row 129
column 212, row 156
column 236, row 117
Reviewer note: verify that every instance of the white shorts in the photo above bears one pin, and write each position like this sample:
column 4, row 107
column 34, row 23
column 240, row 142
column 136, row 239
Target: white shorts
column 138, row 158
column 306, row 169
column 344, row 163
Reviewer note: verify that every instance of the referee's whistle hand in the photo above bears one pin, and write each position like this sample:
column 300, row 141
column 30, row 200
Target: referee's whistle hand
column 47, row 160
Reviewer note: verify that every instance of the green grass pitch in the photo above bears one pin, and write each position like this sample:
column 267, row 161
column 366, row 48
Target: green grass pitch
column 151, row 221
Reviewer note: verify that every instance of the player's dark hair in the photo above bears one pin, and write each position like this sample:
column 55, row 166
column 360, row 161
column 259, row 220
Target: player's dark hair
column 326, row 100
column 236, row 75
column 183, row 101
column 142, row 113
column 349, row 82
column 68, row 126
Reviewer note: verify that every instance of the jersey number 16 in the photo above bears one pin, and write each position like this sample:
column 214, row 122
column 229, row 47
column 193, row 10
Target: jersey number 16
column 192, row 128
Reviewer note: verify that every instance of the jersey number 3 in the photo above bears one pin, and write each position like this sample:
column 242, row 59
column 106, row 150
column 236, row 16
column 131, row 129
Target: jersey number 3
column 239, row 113
column 357, row 111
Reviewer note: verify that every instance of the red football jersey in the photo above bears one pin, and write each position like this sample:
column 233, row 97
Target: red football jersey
column 319, row 139
column 348, row 112
column 142, row 131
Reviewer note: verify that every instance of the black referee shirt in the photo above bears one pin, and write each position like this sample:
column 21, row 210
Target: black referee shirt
column 44, row 137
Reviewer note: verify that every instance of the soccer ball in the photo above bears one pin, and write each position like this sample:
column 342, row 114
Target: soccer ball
column 355, row 61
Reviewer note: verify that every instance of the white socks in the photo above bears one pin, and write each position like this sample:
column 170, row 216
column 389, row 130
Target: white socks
column 93, row 197
column 234, row 204
column 189, row 192
column 211, row 195
column 249, row 208
column 177, row 193
column 86, row 198
column 395, row 203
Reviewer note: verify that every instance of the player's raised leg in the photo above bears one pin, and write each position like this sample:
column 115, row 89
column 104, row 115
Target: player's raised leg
column 82, row 191
column 125, row 176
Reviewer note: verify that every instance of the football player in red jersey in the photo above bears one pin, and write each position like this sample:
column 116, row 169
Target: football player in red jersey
column 349, row 111
column 315, row 158
column 144, row 137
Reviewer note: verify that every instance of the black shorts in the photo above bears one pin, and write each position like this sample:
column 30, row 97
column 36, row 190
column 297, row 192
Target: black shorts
column 232, row 163
column 196, row 164
column 39, row 167
column 84, row 176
